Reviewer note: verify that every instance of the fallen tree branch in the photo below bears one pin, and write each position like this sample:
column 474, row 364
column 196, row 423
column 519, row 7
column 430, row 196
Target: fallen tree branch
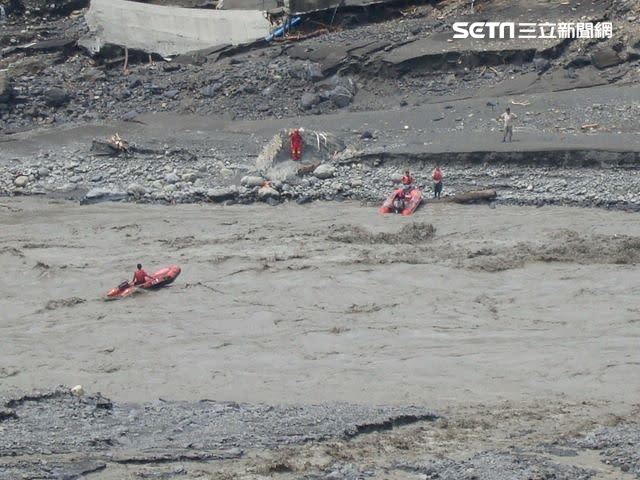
column 466, row 197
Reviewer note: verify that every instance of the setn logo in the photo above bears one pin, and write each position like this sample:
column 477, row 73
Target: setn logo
column 503, row 30
column 480, row 30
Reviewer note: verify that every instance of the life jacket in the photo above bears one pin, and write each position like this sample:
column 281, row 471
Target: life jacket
column 140, row 277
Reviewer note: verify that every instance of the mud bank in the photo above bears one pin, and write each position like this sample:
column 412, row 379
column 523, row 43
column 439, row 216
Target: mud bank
column 55, row 434
column 560, row 158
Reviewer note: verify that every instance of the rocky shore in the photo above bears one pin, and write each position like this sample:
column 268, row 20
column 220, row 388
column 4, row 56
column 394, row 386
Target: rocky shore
column 89, row 435
column 342, row 81
column 182, row 176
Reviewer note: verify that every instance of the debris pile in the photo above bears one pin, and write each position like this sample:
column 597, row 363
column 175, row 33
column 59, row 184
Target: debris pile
column 275, row 161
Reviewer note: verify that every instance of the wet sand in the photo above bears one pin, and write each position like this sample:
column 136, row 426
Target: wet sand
column 287, row 305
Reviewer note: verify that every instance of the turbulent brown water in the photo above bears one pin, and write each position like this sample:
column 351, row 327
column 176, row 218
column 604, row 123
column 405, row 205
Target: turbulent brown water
column 517, row 326
column 322, row 302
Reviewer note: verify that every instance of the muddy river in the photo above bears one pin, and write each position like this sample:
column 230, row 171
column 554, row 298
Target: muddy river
column 323, row 302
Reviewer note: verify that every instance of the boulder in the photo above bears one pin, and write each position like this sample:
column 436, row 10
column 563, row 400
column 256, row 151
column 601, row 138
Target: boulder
column 309, row 100
column 21, row 181
column 96, row 195
column 220, row 194
column 339, row 90
column 314, row 72
column 268, row 192
column 579, row 62
column 136, row 190
column 324, row 171
column 252, row 181
column 605, row 57
column 56, row 97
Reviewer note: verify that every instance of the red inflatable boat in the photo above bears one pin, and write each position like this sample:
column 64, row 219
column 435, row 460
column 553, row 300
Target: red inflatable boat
column 412, row 199
column 158, row 279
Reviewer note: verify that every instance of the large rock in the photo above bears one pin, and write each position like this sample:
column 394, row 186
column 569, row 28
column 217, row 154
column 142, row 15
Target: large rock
column 56, row 97
column 21, row 181
column 136, row 190
column 314, row 72
column 6, row 88
column 308, row 100
column 96, row 195
column 340, row 91
column 324, row 171
column 605, row 57
column 579, row 61
column 220, row 194
column 252, row 181
column 268, row 192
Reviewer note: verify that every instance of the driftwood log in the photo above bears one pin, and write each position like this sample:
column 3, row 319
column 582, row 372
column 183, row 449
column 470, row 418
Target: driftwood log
column 466, row 197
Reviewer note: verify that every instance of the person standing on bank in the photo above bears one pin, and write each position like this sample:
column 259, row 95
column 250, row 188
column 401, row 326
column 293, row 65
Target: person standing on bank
column 508, row 118
column 437, row 182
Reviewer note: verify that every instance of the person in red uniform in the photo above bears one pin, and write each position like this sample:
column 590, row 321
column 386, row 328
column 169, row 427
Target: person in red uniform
column 398, row 200
column 437, row 182
column 296, row 144
column 140, row 276
column 407, row 179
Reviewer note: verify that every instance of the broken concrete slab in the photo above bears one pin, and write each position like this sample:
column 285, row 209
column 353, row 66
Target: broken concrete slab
column 170, row 31
column 369, row 48
column 441, row 52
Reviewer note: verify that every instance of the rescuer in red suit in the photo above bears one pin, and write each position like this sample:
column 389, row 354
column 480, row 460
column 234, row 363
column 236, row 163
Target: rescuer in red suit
column 296, row 144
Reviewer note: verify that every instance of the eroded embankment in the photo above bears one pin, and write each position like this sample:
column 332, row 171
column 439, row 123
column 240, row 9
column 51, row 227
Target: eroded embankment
column 569, row 157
